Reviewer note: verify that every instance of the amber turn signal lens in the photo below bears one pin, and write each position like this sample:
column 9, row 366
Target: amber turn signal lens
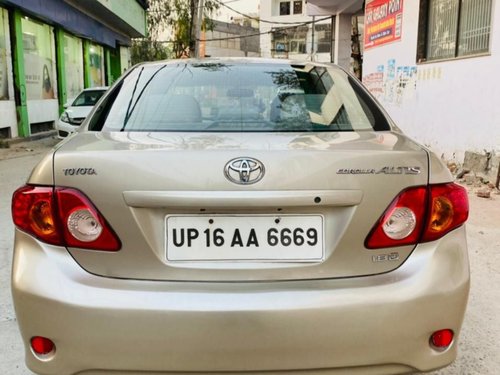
column 448, row 209
column 42, row 221
column 441, row 214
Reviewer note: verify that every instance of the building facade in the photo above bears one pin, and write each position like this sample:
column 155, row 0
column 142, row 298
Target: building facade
column 316, row 30
column 50, row 50
column 230, row 40
column 292, row 34
column 434, row 65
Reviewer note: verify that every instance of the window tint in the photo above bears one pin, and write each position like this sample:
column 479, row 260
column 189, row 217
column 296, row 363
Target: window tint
column 218, row 97
column 87, row 98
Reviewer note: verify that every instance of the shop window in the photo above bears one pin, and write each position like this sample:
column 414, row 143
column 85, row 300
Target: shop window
column 280, row 43
column 298, row 46
column 453, row 28
column 297, row 7
column 96, row 58
column 323, row 37
column 290, row 40
column 73, row 67
column 4, row 84
column 284, row 8
column 38, row 46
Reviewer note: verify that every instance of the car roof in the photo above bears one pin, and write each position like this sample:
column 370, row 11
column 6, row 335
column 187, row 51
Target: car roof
column 239, row 60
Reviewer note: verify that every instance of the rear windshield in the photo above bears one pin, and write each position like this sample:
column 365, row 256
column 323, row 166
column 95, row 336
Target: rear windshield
column 226, row 97
column 87, row 98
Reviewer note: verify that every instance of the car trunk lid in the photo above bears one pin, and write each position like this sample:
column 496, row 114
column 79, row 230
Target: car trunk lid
column 154, row 186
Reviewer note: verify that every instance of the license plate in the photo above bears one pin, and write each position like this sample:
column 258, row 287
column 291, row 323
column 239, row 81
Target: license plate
column 297, row 238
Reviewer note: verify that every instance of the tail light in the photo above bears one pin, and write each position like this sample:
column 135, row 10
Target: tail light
column 420, row 214
column 448, row 207
column 62, row 216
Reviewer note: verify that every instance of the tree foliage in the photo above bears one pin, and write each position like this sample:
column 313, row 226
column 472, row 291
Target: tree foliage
column 148, row 50
column 174, row 20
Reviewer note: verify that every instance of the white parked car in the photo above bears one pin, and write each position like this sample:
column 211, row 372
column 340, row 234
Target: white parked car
column 77, row 110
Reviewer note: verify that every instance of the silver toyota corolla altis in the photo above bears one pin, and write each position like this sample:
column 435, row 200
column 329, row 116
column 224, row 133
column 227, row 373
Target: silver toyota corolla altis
column 239, row 216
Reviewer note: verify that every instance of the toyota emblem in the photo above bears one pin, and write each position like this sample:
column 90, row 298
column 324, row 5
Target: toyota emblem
column 244, row 171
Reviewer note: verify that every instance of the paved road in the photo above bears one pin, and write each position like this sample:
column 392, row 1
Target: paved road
column 13, row 173
column 480, row 341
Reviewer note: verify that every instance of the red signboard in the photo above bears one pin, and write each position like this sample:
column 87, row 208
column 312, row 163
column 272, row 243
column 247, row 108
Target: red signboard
column 383, row 22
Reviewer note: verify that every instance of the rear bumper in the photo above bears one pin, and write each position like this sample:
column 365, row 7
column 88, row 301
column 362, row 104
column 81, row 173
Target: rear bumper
column 100, row 325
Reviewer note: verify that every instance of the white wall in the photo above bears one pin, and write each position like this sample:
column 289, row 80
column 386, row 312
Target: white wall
column 452, row 106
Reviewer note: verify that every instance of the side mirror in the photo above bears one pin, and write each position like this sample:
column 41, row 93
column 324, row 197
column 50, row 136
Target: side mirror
column 66, row 105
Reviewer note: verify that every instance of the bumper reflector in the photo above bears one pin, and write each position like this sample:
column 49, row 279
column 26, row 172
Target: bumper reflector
column 42, row 345
column 442, row 339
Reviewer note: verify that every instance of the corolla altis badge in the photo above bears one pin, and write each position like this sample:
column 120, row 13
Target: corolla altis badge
column 384, row 170
column 244, row 171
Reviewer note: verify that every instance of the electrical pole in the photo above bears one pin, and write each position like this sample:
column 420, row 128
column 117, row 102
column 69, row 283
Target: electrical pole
column 312, row 42
column 199, row 23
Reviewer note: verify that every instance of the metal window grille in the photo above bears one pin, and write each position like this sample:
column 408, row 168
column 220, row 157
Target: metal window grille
column 297, row 7
column 458, row 28
column 475, row 27
column 443, row 19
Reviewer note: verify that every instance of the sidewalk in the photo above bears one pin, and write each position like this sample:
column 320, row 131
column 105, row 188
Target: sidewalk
column 37, row 144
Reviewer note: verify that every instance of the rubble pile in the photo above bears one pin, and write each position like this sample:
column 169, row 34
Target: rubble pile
column 480, row 173
column 477, row 183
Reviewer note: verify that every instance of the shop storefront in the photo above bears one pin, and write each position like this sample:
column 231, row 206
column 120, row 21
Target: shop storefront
column 39, row 71
column 51, row 50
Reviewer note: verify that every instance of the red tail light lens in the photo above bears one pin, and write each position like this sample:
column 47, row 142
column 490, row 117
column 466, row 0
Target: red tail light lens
column 396, row 227
column 420, row 214
column 63, row 217
column 83, row 225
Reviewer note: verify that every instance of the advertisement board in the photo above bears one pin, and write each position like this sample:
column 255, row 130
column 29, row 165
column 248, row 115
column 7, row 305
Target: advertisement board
column 383, row 22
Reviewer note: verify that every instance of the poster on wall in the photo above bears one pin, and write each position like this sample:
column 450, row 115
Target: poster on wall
column 4, row 84
column 383, row 22
column 38, row 46
column 39, row 80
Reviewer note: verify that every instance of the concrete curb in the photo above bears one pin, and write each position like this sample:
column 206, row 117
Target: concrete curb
column 33, row 137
